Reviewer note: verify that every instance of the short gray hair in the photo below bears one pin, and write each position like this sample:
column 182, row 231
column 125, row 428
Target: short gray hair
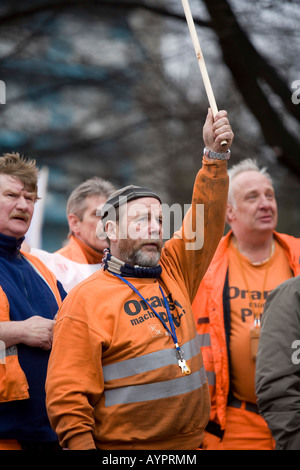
column 248, row 164
column 95, row 186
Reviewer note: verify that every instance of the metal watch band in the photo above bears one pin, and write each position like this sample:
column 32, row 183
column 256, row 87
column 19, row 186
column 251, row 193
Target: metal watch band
column 216, row 156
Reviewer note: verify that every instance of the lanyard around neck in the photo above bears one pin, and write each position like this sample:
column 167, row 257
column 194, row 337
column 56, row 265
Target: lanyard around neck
column 179, row 353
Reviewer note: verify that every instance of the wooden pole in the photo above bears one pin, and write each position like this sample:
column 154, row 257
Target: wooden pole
column 201, row 61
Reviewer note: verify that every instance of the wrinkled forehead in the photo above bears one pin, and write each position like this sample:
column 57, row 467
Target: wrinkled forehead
column 13, row 183
column 141, row 206
column 250, row 180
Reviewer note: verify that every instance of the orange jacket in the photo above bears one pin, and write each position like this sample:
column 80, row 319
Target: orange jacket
column 210, row 316
column 73, row 251
column 79, row 252
column 113, row 378
column 13, row 382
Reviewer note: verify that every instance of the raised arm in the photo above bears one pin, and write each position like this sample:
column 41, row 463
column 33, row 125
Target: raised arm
column 191, row 249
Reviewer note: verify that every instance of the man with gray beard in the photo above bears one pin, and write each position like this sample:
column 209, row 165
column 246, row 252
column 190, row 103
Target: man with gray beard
column 126, row 371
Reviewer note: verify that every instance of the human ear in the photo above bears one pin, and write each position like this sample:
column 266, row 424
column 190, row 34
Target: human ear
column 74, row 223
column 111, row 230
column 229, row 213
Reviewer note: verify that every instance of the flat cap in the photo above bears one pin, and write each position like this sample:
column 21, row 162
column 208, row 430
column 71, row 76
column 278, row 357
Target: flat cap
column 124, row 195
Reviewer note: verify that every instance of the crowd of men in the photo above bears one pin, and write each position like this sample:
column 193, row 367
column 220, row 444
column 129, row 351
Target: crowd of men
column 118, row 341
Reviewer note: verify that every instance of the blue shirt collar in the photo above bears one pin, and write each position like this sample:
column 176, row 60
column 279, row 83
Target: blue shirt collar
column 10, row 246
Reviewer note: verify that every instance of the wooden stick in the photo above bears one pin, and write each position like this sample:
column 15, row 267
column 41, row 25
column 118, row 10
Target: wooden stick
column 201, row 61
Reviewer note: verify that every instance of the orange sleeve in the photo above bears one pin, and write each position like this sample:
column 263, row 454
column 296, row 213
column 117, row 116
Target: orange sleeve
column 190, row 251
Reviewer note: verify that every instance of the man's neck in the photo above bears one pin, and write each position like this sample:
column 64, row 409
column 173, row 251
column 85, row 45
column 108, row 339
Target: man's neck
column 257, row 250
column 116, row 266
column 92, row 256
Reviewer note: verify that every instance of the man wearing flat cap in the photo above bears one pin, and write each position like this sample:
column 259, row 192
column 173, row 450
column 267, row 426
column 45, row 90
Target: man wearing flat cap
column 126, row 371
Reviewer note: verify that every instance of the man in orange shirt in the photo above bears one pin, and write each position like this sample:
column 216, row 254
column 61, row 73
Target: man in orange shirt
column 126, row 371
column 251, row 260
column 82, row 255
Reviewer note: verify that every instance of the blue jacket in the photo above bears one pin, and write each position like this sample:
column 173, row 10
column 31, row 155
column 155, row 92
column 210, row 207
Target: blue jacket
column 27, row 288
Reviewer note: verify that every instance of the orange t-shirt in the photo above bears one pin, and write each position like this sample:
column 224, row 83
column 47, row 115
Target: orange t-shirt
column 242, row 315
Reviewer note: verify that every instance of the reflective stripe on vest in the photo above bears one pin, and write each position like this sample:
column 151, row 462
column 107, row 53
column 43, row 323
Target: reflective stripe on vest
column 211, row 377
column 204, row 340
column 6, row 352
column 147, row 363
column 155, row 391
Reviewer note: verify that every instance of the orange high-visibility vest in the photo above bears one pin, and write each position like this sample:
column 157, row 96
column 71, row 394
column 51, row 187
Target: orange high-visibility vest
column 208, row 308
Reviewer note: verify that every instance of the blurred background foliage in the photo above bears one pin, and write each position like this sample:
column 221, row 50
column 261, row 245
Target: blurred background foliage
column 113, row 88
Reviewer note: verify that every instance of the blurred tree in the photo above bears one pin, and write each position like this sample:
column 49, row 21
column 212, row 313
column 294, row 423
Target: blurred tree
column 252, row 72
column 113, row 88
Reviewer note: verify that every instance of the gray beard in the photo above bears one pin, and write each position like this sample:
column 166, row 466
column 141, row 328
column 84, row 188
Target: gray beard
column 146, row 260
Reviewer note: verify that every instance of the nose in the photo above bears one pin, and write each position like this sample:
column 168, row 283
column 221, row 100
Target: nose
column 100, row 231
column 265, row 202
column 154, row 228
column 22, row 203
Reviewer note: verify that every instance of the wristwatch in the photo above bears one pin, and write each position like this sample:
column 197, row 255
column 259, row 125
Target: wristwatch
column 215, row 155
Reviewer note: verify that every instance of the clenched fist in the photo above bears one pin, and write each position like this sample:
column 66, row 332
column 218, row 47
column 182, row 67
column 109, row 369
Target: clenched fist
column 38, row 332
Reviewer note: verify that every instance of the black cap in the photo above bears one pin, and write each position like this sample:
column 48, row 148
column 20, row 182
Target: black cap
column 124, row 195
